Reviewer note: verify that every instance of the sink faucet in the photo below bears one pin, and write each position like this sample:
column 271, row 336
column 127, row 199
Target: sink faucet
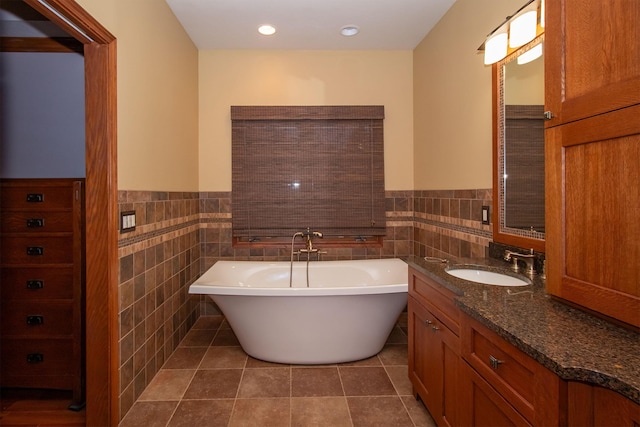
column 528, row 259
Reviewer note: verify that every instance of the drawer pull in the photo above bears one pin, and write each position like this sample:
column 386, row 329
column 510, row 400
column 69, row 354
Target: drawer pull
column 35, row 223
column 435, row 328
column 35, row 198
column 35, row 284
column 35, row 320
column 35, row 358
column 428, row 322
column 35, row 250
column 495, row 362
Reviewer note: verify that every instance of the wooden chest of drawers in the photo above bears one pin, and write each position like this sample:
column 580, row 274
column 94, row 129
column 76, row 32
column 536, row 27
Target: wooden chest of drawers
column 42, row 288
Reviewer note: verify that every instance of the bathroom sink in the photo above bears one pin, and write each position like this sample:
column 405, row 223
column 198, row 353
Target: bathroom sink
column 479, row 275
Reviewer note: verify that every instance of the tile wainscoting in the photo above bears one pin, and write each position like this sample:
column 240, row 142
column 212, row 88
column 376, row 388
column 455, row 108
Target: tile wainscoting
column 179, row 235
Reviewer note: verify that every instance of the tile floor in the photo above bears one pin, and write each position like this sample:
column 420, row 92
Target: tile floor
column 210, row 381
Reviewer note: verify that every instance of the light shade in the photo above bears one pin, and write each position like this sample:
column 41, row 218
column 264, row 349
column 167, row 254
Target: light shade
column 533, row 53
column 267, row 30
column 523, row 29
column 495, row 48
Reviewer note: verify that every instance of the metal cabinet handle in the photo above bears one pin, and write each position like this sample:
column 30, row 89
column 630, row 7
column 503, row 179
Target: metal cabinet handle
column 35, row 320
column 35, row 198
column 435, row 328
column 35, row 223
column 35, row 358
column 494, row 362
column 35, row 284
column 35, row 250
column 428, row 322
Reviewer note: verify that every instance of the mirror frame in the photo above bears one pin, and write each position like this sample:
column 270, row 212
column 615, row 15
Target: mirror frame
column 501, row 234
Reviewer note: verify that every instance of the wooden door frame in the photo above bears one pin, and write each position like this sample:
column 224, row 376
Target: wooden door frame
column 101, row 297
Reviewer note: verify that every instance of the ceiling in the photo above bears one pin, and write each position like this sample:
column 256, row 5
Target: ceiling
column 308, row 24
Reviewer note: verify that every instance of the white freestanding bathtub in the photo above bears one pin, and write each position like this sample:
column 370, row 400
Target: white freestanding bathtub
column 346, row 313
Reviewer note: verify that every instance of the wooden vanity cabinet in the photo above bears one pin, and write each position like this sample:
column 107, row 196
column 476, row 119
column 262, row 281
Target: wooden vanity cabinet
column 434, row 347
column 501, row 385
column 592, row 147
column 591, row 406
column 42, row 291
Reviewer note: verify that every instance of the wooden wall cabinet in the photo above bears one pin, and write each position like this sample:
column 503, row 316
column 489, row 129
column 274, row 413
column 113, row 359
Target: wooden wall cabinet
column 42, row 288
column 434, row 348
column 503, row 383
column 592, row 150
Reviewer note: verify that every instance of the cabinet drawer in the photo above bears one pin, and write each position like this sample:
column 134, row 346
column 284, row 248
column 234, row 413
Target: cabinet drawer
column 437, row 299
column 36, row 222
column 527, row 385
column 46, row 363
column 36, row 318
column 37, row 196
column 37, row 249
column 37, row 283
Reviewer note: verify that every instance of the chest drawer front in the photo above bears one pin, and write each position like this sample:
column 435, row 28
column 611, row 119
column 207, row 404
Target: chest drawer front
column 37, row 249
column 435, row 298
column 22, row 318
column 37, row 283
column 506, row 368
column 37, row 362
column 37, row 197
column 36, row 222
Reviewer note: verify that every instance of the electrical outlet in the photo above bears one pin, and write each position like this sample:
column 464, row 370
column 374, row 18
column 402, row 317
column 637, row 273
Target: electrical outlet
column 486, row 218
column 127, row 221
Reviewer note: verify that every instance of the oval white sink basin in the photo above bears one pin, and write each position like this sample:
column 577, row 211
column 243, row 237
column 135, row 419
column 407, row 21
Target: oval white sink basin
column 487, row 277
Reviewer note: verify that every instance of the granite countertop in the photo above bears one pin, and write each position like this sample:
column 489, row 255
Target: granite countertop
column 570, row 342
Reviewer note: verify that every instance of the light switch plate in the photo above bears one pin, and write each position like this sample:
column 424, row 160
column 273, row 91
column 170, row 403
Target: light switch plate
column 127, row 221
column 486, row 218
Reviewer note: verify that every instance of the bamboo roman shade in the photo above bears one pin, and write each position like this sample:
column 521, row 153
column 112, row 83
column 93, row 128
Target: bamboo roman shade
column 320, row 167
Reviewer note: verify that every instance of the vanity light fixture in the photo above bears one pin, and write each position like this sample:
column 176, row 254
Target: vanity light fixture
column 517, row 30
column 349, row 30
column 267, row 30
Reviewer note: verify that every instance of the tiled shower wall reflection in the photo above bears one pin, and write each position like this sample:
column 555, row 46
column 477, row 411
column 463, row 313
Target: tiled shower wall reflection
column 179, row 235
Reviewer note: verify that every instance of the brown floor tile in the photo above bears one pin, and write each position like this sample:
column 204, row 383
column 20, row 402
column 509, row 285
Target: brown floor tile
column 313, row 382
column 265, row 382
column 320, row 412
column 397, row 336
column 208, row 322
column 418, row 412
column 185, row 358
column 394, row 354
column 225, row 337
column 261, row 412
column 366, row 381
column 210, row 413
column 214, row 384
column 168, row 384
column 399, row 376
column 378, row 412
column 224, row 358
column 198, row 338
column 149, row 414
column 257, row 363
column 371, row 361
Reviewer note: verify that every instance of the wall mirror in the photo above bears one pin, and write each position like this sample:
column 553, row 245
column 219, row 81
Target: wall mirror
column 518, row 164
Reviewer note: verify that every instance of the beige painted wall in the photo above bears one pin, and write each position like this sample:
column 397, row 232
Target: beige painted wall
column 452, row 98
column 157, row 95
column 267, row 77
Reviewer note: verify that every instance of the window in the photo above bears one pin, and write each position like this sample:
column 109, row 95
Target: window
column 298, row 167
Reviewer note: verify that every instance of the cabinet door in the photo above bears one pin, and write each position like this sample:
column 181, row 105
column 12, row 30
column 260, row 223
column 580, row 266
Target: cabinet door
column 434, row 357
column 483, row 406
column 591, row 406
column 592, row 210
column 592, row 57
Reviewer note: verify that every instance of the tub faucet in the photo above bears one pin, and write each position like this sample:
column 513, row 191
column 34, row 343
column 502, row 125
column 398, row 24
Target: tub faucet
column 309, row 235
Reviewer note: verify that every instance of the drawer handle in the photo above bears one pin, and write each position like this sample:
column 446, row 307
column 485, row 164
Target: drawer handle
column 428, row 322
column 35, row 358
column 35, row 284
column 35, row 198
column 35, row 250
column 35, row 320
column 35, row 223
column 435, row 328
column 495, row 362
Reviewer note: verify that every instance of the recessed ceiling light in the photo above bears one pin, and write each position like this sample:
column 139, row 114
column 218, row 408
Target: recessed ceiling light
column 267, row 30
column 349, row 30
